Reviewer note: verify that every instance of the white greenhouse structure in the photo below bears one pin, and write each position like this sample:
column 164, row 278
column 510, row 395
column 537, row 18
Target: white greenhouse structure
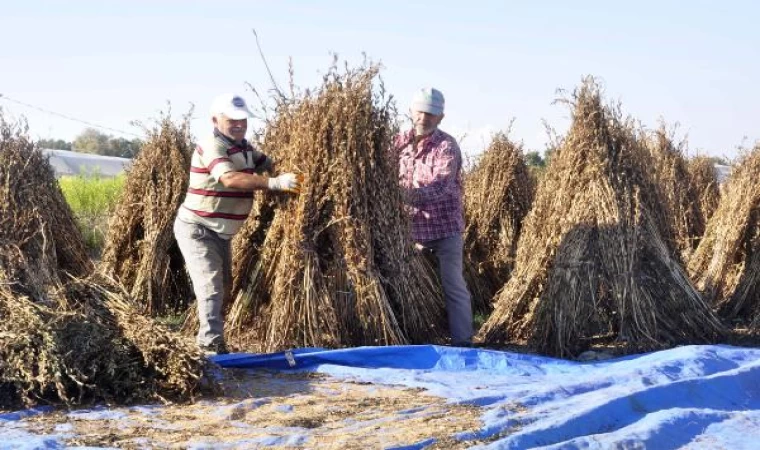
column 66, row 163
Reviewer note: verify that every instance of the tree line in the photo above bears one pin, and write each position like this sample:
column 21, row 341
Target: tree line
column 96, row 142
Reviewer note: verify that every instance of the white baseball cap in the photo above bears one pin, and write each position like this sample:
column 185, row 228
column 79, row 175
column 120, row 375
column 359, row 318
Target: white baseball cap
column 429, row 100
column 231, row 106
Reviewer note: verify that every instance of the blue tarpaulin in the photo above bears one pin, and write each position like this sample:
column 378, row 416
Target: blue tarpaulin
column 694, row 396
column 697, row 397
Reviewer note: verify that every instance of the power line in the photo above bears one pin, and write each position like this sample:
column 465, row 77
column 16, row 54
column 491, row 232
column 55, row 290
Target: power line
column 64, row 116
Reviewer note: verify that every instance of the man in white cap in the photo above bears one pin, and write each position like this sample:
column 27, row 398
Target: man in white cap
column 430, row 172
column 224, row 172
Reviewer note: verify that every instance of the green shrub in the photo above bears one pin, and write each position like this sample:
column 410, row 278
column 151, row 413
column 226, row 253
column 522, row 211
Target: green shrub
column 92, row 198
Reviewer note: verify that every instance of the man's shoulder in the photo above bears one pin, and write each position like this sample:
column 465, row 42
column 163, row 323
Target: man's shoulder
column 211, row 142
column 208, row 141
column 443, row 138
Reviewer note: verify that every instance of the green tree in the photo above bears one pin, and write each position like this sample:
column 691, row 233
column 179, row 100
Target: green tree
column 124, row 148
column 93, row 141
column 55, row 144
column 534, row 159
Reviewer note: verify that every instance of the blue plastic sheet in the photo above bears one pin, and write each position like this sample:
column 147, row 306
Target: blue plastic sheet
column 695, row 397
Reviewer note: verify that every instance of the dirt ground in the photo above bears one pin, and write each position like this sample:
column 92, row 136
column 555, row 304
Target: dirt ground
column 261, row 408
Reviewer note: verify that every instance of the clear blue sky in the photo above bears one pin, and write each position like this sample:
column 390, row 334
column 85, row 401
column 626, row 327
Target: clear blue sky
column 111, row 62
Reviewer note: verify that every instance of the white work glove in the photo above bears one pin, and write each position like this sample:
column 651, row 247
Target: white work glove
column 287, row 182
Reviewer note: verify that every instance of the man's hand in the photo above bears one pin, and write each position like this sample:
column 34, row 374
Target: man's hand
column 287, row 182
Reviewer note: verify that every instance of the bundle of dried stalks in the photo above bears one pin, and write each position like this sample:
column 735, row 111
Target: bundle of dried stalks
column 31, row 201
column 726, row 266
column 593, row 260
column 140, row 250
column 498, row 191
column 246, row 246
column 671, row 176
column 62, row 339
column 703, row 182
column 85, row 342
column 336, row 264
column 169, row 366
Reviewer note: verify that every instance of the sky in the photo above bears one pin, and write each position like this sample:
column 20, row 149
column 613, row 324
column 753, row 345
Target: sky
column 111, row 63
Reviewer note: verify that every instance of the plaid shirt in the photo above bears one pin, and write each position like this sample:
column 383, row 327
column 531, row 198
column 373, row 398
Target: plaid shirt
column 431, row 176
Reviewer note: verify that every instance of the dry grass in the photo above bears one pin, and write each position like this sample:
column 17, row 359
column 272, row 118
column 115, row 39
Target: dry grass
column 726, row 266
column 499, row 191
column 594, row 257
column 140, row 251
column 335, row 266
column 64, row 339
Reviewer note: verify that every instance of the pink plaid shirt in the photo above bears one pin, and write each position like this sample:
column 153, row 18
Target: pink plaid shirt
column 431, row 175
